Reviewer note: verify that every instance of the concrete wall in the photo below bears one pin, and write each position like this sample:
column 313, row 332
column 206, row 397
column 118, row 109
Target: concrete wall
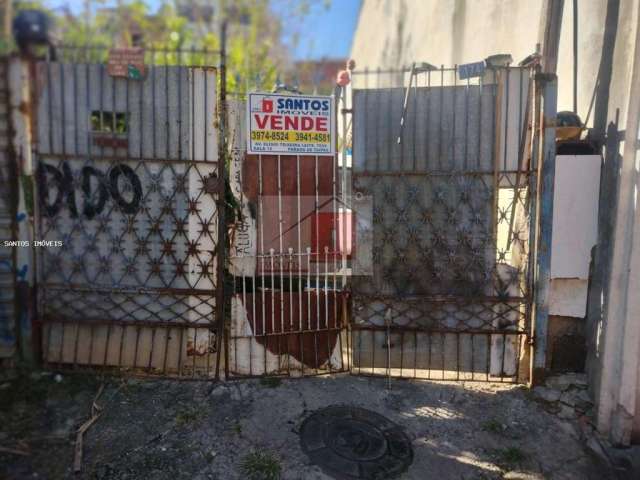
column 618, row 338
column 395, row 33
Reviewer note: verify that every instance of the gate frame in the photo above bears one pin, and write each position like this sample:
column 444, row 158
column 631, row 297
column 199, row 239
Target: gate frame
column 30, row 117
column 542, row 132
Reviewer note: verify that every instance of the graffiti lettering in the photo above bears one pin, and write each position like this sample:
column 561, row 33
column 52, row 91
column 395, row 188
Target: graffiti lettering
column 56, row 187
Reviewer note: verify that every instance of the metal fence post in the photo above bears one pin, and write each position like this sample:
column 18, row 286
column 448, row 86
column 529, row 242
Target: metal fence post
column 221, row 296
column 546, row 169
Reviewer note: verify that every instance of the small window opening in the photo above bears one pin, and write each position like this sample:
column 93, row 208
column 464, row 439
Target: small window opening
column 109, row 122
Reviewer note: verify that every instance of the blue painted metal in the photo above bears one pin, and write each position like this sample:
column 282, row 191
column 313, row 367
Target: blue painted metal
column 470, row 70
column 546, row 188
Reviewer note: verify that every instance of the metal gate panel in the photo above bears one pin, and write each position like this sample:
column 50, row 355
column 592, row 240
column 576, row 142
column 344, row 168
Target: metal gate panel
column 449, row 295
column 127, row 181
column 288, row 307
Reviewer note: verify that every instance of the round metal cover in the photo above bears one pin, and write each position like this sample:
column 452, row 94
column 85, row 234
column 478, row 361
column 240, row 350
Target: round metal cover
column 354, row 443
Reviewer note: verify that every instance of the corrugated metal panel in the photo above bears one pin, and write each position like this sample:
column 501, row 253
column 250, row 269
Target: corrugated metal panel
column 133, row 283
column 7, row 290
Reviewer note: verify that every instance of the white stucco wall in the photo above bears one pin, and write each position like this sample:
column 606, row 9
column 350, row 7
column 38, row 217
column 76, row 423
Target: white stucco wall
column 395, row 33
column 575, row 232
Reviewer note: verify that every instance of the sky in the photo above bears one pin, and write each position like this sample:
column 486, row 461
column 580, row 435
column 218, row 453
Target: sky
column 326, row 32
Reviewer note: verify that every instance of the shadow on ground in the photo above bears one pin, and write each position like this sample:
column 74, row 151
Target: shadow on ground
column 198, row 430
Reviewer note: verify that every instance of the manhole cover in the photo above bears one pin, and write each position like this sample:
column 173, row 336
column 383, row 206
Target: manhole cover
column 354, row 443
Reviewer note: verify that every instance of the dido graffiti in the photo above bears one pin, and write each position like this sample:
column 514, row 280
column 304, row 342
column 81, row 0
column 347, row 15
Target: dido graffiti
column 57, row 188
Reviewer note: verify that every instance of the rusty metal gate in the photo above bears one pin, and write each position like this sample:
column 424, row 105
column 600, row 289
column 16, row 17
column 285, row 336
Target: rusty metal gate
column 130, row 203
column 288, row 314
column 447, row 167
column 127, row 208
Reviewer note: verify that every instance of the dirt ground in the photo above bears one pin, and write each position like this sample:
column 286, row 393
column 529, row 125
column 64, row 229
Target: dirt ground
column 159, row 429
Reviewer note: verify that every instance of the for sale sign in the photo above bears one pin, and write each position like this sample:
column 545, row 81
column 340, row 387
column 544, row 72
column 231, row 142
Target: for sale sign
column 290, row 124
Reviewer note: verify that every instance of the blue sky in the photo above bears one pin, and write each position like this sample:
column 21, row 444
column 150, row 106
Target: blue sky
column 324, row 33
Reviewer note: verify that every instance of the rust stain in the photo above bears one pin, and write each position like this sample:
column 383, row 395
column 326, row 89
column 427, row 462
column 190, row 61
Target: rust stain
column 25, row 107
column 201, row 349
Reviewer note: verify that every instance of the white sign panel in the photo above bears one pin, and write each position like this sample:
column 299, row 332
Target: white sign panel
column 290, row 124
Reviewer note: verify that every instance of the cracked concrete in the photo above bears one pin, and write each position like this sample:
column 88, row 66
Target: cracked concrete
column 194, row 430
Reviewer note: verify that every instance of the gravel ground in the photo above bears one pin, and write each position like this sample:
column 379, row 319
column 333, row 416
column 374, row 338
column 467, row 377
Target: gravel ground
column 159, row 429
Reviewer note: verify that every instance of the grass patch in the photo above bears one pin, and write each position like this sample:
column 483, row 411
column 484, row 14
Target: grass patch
column 270, row 382
column 261, row 466
column 509, row 456
column 492, row 426
column 237, row 428
column 187, row 416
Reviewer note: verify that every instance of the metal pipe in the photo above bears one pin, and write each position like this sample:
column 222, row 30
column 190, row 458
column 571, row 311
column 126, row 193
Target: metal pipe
column 546, row 168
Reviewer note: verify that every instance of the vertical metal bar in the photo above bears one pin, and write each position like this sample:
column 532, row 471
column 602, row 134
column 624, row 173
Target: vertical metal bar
column 122, row 329
column 61, row 353
column 507, row 71
column 127, row 117
column 373, row 351
column 326, row 303
column 502, row 356
column 452, row 162
column 479, row 147
column 106, row 345
column 75, row 108
column 359, row 348
column 75, row 346
column 262, row 259
column 457, row 355
column 63, row 110
column 244, row 303
column 518, row 349
column 317, row 241
column 167, row 114
column 299, row 255
column 101, row 112
column 50, row 107
column 440, row 117
column 546, row 169
column 135, row 351
column 91, row 335
column 167, row 335
column 273, row 304
column 291, row 329
column 473, row 359
column 141, row 121
column 488, row 356
column 153, row 110
column 466, row 124
column 389, row 139
column 377, row 125
column 335, row 166
column 365, row 149
column 222, row 220
column 575, row 56
column 415, row 126
column 180, row 351
column 179, row 70
column 308, row 288
column 427, row 147
column 281, row 256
